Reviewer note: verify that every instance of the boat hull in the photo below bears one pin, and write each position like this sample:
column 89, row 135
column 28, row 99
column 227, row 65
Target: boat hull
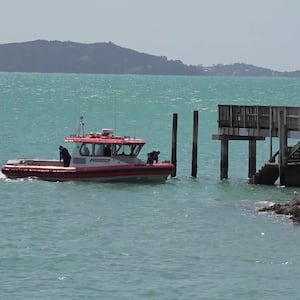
column 155, row 172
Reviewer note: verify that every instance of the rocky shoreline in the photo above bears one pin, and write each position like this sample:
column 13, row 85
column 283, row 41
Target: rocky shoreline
column 290, row 209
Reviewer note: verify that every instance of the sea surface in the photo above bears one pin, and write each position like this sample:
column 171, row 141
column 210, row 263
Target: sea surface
column 189, row 238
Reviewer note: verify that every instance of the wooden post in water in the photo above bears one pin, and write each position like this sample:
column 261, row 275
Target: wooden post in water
column 174, row 144
column 224, row 158
column 282, row 147
column 271, row 131
column 252, row 158
column 195, row 145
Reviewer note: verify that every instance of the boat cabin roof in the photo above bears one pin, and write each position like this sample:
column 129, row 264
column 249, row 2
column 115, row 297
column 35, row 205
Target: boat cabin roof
column 106, row 137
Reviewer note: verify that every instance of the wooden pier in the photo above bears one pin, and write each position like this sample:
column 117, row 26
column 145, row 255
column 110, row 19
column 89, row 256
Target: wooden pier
column 254, row 123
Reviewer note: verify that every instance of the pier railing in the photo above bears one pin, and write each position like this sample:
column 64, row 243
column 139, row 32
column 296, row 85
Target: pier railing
column 260, row 121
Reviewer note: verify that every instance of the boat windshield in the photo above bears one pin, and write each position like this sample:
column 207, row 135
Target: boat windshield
column 131, row 150
column 89, row 149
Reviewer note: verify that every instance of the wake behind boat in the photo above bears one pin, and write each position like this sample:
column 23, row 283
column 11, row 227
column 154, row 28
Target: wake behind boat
column 96, row 156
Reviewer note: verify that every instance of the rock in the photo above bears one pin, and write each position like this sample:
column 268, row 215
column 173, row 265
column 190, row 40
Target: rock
column 291, row 209
column 295, row 201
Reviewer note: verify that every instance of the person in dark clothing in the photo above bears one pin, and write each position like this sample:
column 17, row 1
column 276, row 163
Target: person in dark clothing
column 64, row 156
column 155, row 155
column 152, row 157
column 107, row 150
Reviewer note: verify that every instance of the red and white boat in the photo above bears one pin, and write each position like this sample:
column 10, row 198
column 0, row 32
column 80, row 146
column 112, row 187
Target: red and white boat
column 90, row 160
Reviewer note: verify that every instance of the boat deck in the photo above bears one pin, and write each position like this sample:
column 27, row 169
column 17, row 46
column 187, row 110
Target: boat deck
column 35, row 162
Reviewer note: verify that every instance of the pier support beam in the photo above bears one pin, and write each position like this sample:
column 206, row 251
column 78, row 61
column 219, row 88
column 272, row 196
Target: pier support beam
column 252, row 158
column 225, row 152
column 271, row 132
column 282, row 147
column 224, row 159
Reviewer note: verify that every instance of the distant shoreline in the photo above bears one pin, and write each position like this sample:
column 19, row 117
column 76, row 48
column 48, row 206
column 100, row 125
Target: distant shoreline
column 43, row 56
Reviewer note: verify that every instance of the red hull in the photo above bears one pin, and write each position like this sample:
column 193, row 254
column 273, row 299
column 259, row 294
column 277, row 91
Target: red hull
column 157, row 171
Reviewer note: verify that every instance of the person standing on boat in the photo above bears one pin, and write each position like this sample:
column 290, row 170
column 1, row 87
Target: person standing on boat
column 152, row 157
column 107, row 150
column 64, row 156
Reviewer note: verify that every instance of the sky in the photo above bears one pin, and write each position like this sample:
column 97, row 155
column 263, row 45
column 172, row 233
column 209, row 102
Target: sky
column 264, row 33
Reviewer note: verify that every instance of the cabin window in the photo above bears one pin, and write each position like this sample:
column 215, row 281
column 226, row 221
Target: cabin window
column 99, row 150
column 85, row 150
column 103, row 150
column 130, row 150
column 136, row 149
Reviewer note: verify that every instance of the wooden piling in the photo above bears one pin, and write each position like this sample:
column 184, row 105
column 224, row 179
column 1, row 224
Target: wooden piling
column 224, row 159
column 282, row 147
column 174, row 144
column 271, row 132
column 252, row 158
column 195, row 145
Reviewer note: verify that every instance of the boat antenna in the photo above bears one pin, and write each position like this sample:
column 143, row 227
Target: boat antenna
column 115, row 116
column 134, row 124
column 81, row 126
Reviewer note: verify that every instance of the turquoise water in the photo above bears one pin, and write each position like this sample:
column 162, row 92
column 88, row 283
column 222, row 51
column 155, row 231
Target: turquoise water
column 186, row 239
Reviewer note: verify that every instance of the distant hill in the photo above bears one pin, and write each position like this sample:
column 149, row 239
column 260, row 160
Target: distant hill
column 107, row 58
